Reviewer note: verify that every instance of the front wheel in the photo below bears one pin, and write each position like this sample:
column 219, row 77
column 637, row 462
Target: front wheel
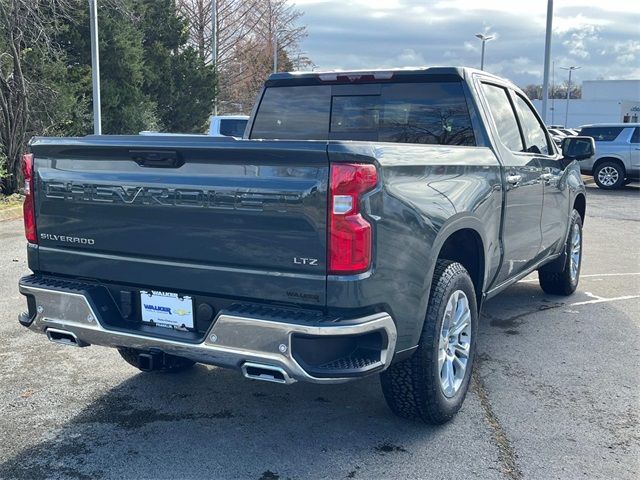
column 432, row 384
column 561, row 277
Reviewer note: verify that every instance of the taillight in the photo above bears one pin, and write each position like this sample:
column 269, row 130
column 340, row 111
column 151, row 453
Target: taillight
column 349, row 233
column 29, row 208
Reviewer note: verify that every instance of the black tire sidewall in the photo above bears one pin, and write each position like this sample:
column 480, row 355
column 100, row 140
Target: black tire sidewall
column 621, row 175
column 435, row 317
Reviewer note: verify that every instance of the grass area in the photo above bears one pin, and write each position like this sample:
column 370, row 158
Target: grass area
column 11, row 206
column 8, row 201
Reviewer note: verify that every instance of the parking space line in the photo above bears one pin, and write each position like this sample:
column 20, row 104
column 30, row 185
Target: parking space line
column 601, row 300
column 593, row 275
column 609, row 274
column 591, row 295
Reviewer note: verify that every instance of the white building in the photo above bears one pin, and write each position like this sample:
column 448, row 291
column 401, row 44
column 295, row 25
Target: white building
column 602, row 101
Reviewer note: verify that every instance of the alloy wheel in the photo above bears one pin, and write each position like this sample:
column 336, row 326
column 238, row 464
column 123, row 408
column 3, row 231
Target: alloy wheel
column 576, row 248
column 454, row 343
column 608, row 176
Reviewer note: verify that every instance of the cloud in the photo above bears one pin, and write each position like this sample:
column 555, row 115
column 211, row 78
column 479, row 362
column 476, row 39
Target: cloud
column 411, row 57
column 471, row 47
column 601, row 37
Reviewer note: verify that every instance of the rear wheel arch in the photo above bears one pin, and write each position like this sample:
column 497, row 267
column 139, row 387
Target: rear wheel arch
column 454, row 232
column 466, row 247
column 580, row 204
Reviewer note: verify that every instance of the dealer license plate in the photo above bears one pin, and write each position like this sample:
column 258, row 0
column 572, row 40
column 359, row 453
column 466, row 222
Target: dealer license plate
column 166, row 309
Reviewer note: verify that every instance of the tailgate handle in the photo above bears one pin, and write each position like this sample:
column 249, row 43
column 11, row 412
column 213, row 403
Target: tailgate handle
column 157, row 158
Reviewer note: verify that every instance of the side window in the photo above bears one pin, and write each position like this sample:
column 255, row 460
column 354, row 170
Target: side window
column 635, row 138
column 534, row 136
column 232, row 127
column 503, row 116
column 602, row 134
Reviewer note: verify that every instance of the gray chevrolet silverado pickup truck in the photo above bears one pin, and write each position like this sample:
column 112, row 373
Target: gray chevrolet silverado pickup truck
column 356, row 229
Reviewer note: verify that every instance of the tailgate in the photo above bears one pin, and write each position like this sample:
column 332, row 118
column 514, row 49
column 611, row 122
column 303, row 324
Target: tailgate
column 245, row 218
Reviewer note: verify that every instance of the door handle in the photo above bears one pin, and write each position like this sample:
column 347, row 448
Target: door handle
column 157, row 158
column 514, row 179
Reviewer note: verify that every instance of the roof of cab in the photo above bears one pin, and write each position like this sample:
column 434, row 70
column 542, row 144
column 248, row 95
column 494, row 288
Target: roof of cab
column 375, row 75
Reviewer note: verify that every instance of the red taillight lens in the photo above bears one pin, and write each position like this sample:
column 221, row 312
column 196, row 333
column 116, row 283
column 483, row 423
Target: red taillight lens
column 349, row 232
column 28, row 208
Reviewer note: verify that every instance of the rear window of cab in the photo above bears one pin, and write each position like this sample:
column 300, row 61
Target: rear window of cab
column 429, row 113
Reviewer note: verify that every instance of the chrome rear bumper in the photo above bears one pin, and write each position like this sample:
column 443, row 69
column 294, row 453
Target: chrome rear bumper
column 233, row 341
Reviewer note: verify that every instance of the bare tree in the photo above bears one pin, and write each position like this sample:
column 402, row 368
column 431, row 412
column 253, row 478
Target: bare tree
column 534, row 92
column 26, row 31
column 246, row 30
column 235, row 20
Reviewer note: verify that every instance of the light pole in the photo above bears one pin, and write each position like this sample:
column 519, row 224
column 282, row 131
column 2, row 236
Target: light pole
column 553, row 97
column 547, row 57
column 485, row 39
column 566, row 112
column 214, row 48
column 95, row 67
column 275, row 52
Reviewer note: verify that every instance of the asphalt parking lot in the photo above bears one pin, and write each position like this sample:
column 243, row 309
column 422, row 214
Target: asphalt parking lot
column 556, row 394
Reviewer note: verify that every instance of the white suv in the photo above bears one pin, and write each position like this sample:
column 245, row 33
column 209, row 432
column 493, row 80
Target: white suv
column 617, row 158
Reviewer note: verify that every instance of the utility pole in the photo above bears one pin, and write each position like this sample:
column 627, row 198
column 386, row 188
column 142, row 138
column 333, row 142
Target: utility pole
column 566, row 113
column 95, row 67
column 214, row 48
column 553, row 97
column 485, row 39
column 275, row 53
column 547, row 58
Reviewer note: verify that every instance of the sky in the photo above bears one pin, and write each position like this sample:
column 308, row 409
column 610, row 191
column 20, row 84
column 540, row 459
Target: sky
column 602, row 37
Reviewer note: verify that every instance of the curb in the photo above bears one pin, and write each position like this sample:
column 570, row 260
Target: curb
column 10, row 213
column 587, row 179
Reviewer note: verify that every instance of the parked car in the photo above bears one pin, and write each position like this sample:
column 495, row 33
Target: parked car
column 357, row 229
column 557, row 135
column 155, row 133
column 617, row 158
column 227, row 125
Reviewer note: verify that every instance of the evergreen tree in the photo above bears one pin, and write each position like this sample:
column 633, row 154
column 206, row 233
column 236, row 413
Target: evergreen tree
column 175, row 77
column 126, row 108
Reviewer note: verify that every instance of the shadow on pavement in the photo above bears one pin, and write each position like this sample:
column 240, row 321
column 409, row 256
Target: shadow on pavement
column 210, row 422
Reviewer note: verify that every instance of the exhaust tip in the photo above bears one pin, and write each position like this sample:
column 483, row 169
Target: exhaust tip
column 64, row 337
column 266, row 373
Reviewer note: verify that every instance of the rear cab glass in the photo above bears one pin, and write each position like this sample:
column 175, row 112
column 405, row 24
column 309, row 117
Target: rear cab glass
column 602, row 134
column 425, row 113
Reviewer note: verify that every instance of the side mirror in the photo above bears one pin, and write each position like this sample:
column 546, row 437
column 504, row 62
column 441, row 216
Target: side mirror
column 578, row 148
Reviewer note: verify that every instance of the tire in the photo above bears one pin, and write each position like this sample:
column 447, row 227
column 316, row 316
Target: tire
column 413, row 388
column 609, row 175
column 562, row 276
column 162, row 362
